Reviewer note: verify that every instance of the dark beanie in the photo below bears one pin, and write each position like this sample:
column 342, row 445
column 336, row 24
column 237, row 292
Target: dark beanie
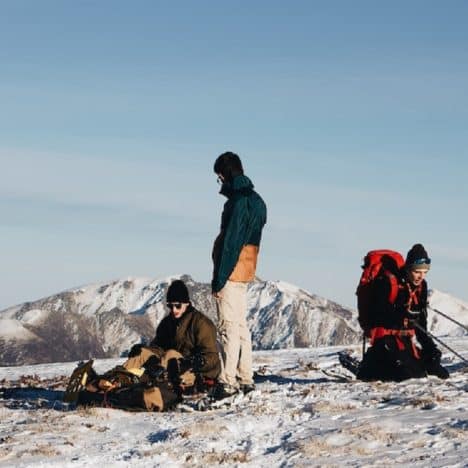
column 177, row 292
column 417, row 258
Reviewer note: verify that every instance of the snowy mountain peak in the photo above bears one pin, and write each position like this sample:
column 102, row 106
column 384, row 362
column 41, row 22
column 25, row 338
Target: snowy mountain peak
column 451, row 306
column 106, row 319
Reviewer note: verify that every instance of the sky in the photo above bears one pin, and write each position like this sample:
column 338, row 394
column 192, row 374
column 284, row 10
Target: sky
column 350, row 119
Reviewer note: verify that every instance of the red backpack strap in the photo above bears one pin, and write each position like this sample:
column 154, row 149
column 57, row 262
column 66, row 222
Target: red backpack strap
column 393, row 287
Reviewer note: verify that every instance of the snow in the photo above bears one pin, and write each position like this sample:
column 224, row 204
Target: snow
column 13, row 329
column 125, row 311
column 285, row 287
column 451, row 306
column 33, row 316
column 298, row 416
column 129, row 294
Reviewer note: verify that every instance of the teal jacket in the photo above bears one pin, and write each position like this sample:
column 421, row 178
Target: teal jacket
column 242, row 221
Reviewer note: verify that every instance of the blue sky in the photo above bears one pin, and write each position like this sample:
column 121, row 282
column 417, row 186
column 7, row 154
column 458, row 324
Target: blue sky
column 350, row 118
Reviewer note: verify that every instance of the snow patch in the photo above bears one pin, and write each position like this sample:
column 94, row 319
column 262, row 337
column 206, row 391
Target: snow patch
column 14, row 329
column 450, row 306
column 34, row 316
column 297, row 416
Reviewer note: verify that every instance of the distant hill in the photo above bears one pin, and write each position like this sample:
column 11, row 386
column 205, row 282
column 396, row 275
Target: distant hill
column 450, row 306
column 104, row 320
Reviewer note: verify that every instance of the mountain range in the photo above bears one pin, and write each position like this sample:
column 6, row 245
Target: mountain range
column 106, row 319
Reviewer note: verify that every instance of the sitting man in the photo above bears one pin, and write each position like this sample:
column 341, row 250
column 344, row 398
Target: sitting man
column 184, row 345
column 400, row 347
column 182, row 357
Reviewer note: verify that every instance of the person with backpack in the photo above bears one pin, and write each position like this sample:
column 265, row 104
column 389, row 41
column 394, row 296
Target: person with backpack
column 234, row 255
column 182, row 358
column 394, row 317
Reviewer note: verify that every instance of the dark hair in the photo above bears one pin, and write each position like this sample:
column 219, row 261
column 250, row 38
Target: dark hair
column 228, row 165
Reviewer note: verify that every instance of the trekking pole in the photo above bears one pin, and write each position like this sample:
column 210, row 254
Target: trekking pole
column 439, row 341
column 363, row 344
column 449, row 318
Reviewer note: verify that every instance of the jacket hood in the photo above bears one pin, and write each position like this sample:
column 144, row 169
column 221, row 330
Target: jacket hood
column 240, row 184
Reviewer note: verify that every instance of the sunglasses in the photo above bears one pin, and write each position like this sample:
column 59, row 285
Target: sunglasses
column 177, row 305
column 422, row 261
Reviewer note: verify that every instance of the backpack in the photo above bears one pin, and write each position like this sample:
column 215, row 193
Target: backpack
column 376, row 264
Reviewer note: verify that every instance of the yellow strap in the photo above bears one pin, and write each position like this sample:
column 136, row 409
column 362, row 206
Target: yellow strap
column 138, row 371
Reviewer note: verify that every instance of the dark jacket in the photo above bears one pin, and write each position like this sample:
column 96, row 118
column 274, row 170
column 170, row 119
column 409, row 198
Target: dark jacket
column 395, row 357
column 194, row 333
column 388, row 315
column 242, row 221
column 396, row 316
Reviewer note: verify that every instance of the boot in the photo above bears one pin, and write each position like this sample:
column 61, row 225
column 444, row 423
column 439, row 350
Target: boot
column 434, row 367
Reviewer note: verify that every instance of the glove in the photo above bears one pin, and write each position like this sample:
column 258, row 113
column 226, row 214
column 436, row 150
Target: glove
column 153, row 369
column 196, row 362
column 135, row 350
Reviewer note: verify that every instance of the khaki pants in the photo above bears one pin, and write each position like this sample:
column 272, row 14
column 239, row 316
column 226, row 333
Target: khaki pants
column 235, row 335
column 168, row 361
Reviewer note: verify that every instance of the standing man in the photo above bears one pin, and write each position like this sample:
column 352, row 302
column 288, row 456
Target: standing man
column 235, row 253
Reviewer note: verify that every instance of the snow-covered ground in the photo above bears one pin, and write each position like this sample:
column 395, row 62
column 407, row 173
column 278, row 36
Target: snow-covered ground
column 298, row 416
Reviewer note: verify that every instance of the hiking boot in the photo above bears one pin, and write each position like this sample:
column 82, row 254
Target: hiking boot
column 77, row 381
column 349, row 362
column 222, row 391
column 435, row 368
column 247, row 388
